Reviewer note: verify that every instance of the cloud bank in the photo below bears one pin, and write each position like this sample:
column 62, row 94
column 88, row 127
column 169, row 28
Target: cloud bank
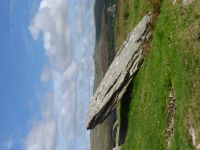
column 67, row 30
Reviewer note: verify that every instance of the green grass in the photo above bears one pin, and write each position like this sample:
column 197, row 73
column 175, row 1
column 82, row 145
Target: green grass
column 173, row 60
column 127, row 10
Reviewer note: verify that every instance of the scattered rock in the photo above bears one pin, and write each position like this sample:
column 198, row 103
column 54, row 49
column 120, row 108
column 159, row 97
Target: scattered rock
column 120, row 73
column 112, row 10
column 174, row 2
column 193, row 135
column 116, row 148
column 171, row 110
column 198, row 147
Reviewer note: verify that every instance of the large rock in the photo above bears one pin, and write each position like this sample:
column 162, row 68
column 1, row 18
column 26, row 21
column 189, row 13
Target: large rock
column 119, row 74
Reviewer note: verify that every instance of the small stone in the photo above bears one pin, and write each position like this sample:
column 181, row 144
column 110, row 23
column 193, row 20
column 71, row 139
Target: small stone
column 116, row 148
column 198, row 147
column 171, row 95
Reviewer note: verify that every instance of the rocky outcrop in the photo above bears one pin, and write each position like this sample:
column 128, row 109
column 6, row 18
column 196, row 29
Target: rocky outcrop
column 119, row 74
column 112, row 10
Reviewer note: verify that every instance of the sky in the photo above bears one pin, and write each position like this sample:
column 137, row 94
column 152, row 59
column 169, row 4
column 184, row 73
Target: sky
column 46, row 73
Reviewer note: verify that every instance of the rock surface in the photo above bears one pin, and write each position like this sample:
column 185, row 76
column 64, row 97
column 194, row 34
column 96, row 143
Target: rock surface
column 117, row 78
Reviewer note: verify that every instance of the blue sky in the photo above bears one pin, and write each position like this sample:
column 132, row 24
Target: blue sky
column 46, row 76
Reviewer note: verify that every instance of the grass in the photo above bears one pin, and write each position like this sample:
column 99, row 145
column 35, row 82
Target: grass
column 173, row 60
column 126, row 11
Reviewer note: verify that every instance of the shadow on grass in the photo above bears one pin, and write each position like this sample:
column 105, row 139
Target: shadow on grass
column 124, row 113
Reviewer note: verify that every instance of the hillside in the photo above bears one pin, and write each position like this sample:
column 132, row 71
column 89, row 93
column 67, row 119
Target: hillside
column 161, row 107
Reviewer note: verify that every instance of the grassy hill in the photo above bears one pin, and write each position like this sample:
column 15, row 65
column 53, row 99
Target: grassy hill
column 162, row 106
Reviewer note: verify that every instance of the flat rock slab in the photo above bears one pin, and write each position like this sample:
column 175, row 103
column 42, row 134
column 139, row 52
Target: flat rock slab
column 120, row 73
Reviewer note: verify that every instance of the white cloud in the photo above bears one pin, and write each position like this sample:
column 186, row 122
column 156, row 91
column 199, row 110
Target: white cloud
column 42, row 135
column 70, row 53
column 51, row 21
column 46, row 74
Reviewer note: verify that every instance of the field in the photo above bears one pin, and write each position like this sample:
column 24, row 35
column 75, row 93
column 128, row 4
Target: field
column 171, row 70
